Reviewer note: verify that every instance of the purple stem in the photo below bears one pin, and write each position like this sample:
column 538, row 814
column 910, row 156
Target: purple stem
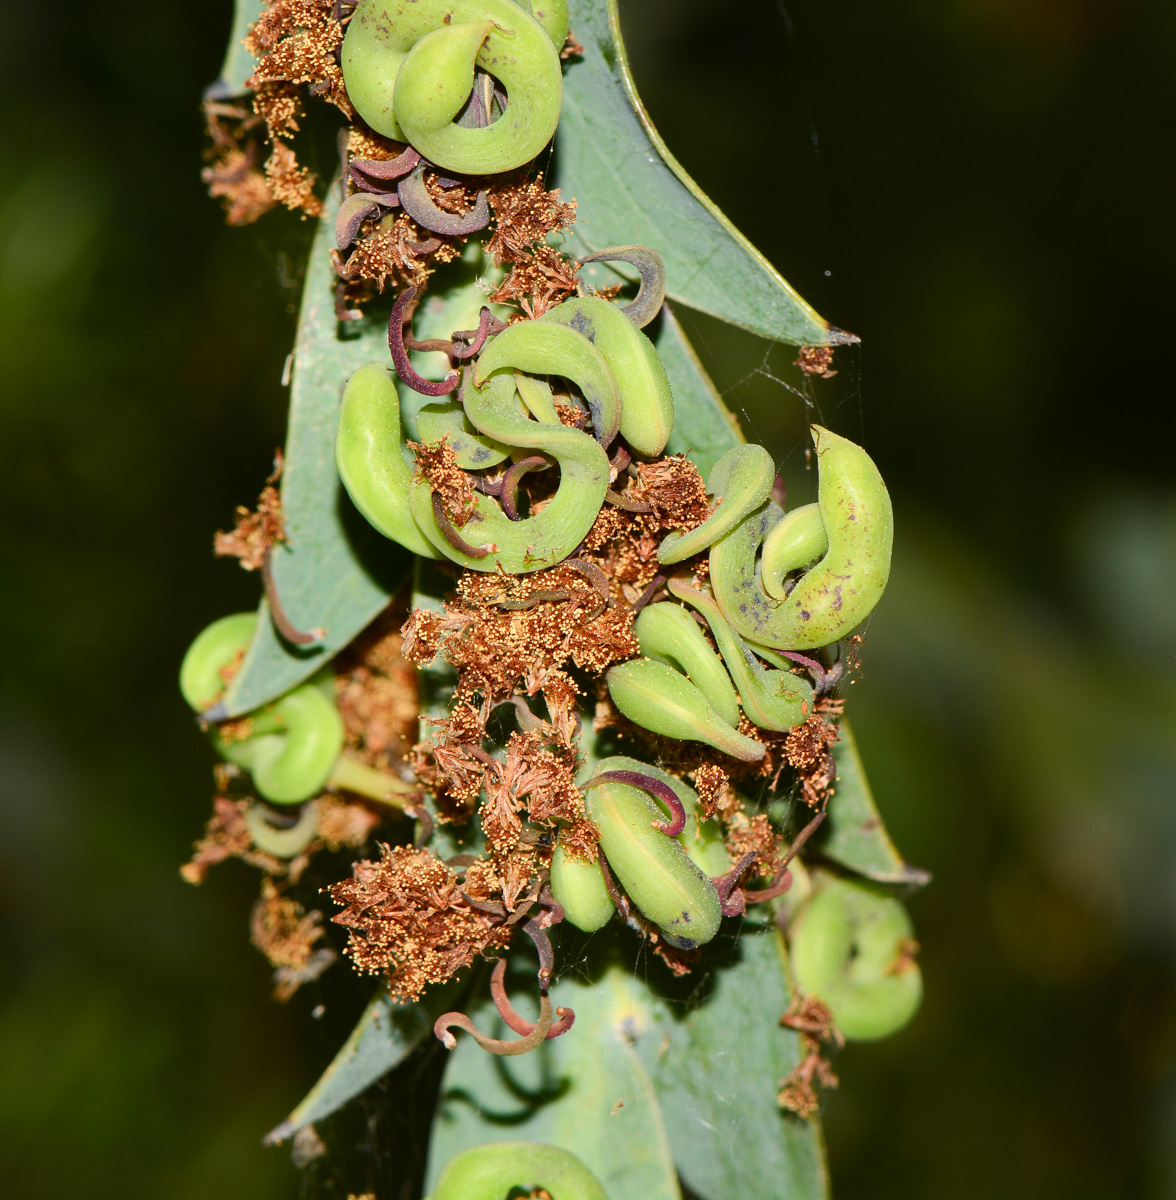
column 404, row 368
column 354, row 211
column 811, row 665
column 647, row 595
column 282, row 623
column 382, row 168
column 656, row 788
column 451, row 535
column 419, row 205
column 510, row 483
column 488, row 323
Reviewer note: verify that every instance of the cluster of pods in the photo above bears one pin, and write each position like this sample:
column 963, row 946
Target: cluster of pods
column 473, row 87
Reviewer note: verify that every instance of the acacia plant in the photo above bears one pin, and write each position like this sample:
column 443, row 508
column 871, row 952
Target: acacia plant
column 544, row 665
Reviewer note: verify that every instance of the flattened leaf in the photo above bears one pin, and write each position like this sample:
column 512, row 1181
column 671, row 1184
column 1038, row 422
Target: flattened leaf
column 854, row 835
column 239, row 63
column 336, row 572
column 717, row 1068
column 630, row 189
column 704, row 429
column 587, row 1091
column 382, row 1038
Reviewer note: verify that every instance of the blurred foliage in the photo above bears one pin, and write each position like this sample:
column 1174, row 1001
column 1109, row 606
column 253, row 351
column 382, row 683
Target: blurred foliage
column 988, row 205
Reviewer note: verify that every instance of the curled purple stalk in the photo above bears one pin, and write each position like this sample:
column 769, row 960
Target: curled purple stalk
column 510, row 483
column 620, row 902
column 404, row 368
column 595, row 576
column 354, row 211
column 529, row 1042
column 282, row 623
column 647, row 595
column 731, row 899
column 419, row 205
column 363, row 170
column 811, row 665
column 513, row 1018
column 656, row 788
column 488, row 324
column 652, row 270
column 450, row 534
column 538, row 935
column 620, row 460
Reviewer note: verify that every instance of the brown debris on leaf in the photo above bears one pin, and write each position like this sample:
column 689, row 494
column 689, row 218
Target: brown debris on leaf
column 227, row 836
column 406, row 915
column 436, row 463
column 254, row 533
column 233, row 174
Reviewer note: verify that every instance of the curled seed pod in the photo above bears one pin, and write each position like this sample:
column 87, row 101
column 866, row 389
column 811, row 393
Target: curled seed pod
column 409, row 70
column 772, row 699
column 537, row 396
column 798, row 540
column 702, row 840
column 537, row 541
column 282, row 843
column 658, row 698
column 293, row 744
column 667, row 634
column 516, row 1168
column 742, row 479
column 659, row 876
column 647, row 405
column 651, row 267
column 553, row 16
column 852, row 945
column 545, row 348
column 201, row 681
column 370, row 458
column 838, row 593
column 578, row 886
column 472, row 450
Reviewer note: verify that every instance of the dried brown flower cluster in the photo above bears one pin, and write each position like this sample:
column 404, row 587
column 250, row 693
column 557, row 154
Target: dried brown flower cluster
column 810, row 1016
column 408, row 916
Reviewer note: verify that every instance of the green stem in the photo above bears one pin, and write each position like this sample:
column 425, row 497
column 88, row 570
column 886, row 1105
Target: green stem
column 351, row 775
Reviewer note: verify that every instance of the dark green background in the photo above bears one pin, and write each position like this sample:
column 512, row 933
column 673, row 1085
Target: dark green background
column 982, row 190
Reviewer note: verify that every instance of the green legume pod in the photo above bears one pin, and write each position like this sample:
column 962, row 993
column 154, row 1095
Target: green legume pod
column 742, row 479
column 579, row 887
column 668, row 634
column 654, row 869
column 547, row 348
column 702, row 840
column 798, row 540
column 519, row 547
column 553, row 16
column 659, row 699
column 293, row 744
column 473, row 451
column 647, row 404
column 772, row 699
column 201, row 682
column 851, row 946
column 499, row 1169
column 370, row 458
column 837, row 594
column 409, row 68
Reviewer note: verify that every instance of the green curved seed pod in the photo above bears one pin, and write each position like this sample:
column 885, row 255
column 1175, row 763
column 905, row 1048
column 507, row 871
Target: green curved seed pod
column 496, row 1170
column 658, row 698
column 668, row 634
column 579, row 887
column 546, row 348
column 370, row 460
column 473, row 450
column 282, row 843
column 772, row 699
column 851, row 947
column 838, row 593
column 654, row 869
column 519, row 547
column 437, row 75
column 647, row 404
column 702, row 840
column 553, row 16
column 537, row 398
column 390, row 87
column 294, row 766
column 743, row 479
column 799, row 539
column 201, row 682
